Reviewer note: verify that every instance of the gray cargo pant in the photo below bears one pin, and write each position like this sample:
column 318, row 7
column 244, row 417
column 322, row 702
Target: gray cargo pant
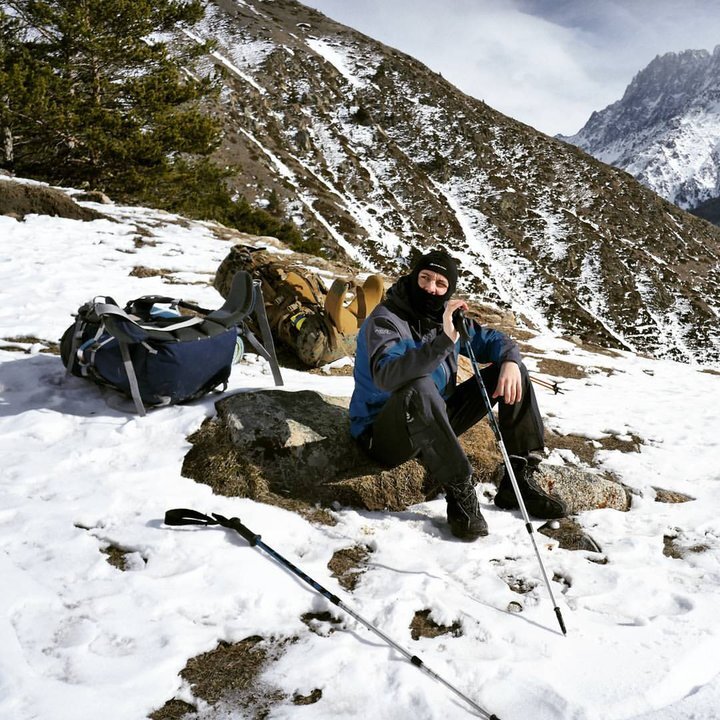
column 418, row 421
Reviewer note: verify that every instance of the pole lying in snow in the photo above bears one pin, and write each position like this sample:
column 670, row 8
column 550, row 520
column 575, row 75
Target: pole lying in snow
column 182, row 516
column 460, row 322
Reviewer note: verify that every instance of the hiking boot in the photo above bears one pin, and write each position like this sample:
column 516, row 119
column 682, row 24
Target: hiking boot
column 463, row 512
column 538, row 503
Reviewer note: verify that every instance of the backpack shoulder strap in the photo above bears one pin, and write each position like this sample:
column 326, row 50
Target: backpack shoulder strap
column 309, row 289
column 372, row 291
column 267, row 350
column 132, row 378
column 340, row 315
column 347, row 318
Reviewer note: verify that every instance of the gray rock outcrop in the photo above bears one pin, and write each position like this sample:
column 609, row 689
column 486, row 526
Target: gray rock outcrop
column 294, row 449
column 582, row 490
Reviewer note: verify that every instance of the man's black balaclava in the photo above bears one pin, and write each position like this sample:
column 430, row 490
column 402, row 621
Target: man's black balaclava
column 424, row 303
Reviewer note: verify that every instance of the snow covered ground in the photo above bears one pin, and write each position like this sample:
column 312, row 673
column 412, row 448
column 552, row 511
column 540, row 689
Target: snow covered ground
column 80, row 638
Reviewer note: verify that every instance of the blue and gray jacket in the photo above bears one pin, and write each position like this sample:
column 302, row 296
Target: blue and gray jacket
column 396, row 346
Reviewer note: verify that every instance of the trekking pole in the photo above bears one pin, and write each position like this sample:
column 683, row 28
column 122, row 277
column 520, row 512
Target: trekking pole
column 460, row 323
column 554, row 386
column 182, row 516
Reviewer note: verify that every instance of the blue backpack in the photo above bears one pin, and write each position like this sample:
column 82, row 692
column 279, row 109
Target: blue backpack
column 151, row 352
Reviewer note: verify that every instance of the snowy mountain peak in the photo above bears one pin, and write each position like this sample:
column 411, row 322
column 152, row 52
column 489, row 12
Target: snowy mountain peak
column 665, row 131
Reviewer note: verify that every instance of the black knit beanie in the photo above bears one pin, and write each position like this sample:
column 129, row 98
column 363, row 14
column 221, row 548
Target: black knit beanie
column 440, row 262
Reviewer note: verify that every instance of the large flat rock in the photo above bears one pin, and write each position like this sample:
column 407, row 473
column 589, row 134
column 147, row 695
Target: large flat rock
column 275, row 444
column 294, row 449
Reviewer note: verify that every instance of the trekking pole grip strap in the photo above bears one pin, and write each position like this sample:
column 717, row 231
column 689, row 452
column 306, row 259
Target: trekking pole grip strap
column 184, row 516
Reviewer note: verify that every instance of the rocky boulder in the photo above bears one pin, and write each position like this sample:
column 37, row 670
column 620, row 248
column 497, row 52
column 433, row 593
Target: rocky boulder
column 294, row 449
column 570, row 536
column 582, row 490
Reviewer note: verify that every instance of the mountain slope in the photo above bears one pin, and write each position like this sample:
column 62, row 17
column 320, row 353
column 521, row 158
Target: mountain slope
column 376, row 156
column 665, row 131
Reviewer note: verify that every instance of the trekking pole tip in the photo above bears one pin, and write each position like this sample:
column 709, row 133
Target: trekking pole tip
column 560, row 620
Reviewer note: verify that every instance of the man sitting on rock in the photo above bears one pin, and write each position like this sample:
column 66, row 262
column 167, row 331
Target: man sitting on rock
column 406, row 402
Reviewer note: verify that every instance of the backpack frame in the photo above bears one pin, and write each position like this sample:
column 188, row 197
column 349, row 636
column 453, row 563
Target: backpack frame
column 158, row 356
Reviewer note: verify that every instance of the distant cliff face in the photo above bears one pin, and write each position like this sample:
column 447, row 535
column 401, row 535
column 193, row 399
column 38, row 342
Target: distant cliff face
column 666, row 129
column 378, row 157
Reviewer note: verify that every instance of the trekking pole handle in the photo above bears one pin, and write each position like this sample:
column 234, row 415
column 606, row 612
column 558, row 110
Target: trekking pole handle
column 185, row 516
column 461, row 325
column 235, row 524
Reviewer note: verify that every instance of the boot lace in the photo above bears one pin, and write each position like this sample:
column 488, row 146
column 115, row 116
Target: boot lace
column 466, row 499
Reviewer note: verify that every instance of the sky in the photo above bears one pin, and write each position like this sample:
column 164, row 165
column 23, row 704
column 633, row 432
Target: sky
column 82, row 472
column 548, row 63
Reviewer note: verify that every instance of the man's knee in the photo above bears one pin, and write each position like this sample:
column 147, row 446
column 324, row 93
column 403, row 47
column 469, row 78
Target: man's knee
column 493, row 376
column 431, row 432
column 423, row 400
